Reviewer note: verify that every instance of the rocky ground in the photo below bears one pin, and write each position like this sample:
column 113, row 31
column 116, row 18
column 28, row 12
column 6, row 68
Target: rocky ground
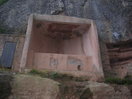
column 32, row 86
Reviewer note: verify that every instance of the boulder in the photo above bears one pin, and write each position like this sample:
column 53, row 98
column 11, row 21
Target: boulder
column 33, row 87
column 105, row 91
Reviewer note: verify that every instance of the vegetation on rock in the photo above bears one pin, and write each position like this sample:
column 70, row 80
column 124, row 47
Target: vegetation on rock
column 2, row 2
column 125, row 81
column 56, row 75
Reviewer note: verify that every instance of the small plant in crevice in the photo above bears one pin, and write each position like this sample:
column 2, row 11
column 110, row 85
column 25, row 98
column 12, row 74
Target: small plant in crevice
column 2, row 30
column 2, row 69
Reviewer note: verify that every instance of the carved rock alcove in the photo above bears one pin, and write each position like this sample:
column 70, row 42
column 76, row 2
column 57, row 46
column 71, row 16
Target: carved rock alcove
column 63, row 44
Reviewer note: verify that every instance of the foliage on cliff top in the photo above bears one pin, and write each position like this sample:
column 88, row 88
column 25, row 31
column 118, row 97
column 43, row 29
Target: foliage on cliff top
column 2, row 30
column 2, row 2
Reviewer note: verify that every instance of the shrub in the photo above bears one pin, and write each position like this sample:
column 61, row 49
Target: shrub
column 2, row 30
column 36, row 72
column 119, row 81
column 55, row 75
column 48, row 74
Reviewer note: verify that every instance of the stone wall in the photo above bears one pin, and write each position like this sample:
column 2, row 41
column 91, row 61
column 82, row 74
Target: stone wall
column 117, row 58
column 120, row 57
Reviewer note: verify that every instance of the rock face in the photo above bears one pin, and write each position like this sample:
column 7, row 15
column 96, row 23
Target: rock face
column 113, row 17
column 120, row 56
column 105, row 91
column 25, row 87
column 100, row 90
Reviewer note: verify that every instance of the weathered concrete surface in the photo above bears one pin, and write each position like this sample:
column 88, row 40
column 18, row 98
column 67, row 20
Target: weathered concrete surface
column 27, row 87
column 69, row 41
column 113, row 17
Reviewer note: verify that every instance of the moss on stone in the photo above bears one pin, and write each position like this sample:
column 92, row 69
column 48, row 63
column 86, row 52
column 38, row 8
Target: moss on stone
column 56, row 75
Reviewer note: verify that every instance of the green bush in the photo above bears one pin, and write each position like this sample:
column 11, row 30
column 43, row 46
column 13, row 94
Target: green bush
column 2, row 69
column 36, row 72
column 33, row 71
column 2, row 2
column 47, row 74
column 119, row 81
column 55, row 75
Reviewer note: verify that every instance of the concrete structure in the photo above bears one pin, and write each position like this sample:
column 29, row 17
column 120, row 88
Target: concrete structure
column 64, row 44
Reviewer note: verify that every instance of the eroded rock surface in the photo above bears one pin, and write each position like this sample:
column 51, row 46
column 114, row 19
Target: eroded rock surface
column 105, row 91
column 27, row 87
column 23, row 86
column 112, row 16
column 120, row 56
